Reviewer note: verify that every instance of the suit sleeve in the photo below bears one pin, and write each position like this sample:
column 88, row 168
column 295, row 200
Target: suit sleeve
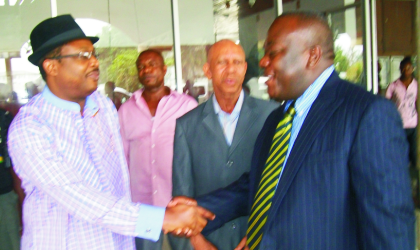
column 227, row 203
column 379, row 177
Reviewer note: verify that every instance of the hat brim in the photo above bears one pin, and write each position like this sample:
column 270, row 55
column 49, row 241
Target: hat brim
column 57, row 41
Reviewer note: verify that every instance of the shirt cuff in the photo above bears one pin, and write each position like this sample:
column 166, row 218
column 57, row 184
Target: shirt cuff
column 149, row 222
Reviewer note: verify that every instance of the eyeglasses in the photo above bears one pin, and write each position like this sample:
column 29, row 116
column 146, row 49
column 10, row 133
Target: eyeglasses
column 82, row 55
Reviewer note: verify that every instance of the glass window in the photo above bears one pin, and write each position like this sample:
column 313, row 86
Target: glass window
column 216, row 20
column 348, row 42
column 196, row 25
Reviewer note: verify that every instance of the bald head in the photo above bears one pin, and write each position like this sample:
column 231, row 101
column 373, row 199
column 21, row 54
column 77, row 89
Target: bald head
column 226, row 67
column 298, row 48
column 314, row 27
column 224, row 44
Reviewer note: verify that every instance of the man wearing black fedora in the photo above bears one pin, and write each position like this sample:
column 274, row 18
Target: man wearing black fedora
column 66, row 148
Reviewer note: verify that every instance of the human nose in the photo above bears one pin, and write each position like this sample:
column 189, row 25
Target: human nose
column 147, row 68
column 94, row 61
column 264, row 62
column 231, row 67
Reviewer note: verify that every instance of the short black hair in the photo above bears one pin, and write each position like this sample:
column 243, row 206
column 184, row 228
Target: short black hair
column 404, row 62
column 157, row 52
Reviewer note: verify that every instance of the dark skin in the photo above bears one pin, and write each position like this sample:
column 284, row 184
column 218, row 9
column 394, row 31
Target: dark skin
column 151, row 72
column 407, row 74
column 226, row 67
column 296, row 54
column 74, row 79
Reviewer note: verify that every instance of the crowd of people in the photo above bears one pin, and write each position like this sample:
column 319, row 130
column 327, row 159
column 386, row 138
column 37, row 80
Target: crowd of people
column 322, row 165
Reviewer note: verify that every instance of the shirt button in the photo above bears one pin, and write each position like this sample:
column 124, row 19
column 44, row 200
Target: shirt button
column 153, row 131
column 154, row 177
column 229, row 164
column 153, row 145
column 153, row 161
column 154, row 192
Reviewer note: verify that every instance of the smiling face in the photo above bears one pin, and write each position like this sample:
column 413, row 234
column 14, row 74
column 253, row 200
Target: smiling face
column 73, row 78
column 151, row 70
column 285, row 60
column 226, row 67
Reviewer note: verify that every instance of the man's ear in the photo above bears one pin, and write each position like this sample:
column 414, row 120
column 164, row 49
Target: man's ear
column 315, row 54
column 50, row 67
column 206, row 69
column 164, row 69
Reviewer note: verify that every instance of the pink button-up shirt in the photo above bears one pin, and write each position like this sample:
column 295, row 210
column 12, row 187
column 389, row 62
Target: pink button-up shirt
column 405, row 99
column 148, row 144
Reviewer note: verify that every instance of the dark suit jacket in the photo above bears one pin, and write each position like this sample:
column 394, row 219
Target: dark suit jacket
column 204, row 162
column 345, row 184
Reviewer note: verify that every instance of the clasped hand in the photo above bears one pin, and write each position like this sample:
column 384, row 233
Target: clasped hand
column 184, row 218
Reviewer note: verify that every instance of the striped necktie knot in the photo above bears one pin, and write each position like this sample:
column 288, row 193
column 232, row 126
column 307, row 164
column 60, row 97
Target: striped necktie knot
column 269, row 178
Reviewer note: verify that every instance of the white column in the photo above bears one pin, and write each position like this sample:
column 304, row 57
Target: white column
column 368, row 44
column 177, row 45
column 375, row 82
column 279, row 7
column 53, row 8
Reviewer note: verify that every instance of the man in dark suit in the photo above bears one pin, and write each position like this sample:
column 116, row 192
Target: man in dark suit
column 344, row 184
column 214, row 142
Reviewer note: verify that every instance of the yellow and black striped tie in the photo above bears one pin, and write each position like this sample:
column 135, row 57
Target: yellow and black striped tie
column 269, row 179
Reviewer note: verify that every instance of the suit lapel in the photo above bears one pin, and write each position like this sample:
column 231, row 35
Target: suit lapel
column 212, row 123
column 320, row 113
column 247, row 118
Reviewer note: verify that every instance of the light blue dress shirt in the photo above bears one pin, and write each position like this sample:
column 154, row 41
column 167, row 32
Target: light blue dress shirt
column 302, row 106
column 229, row 121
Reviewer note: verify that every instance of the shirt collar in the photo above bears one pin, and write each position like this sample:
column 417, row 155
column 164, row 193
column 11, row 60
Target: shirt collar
column 67, row 105
column 237, row 108
column 305, row 101
column 139, row 93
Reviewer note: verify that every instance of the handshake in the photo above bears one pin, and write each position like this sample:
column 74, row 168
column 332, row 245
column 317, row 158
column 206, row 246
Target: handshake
column 184, row 218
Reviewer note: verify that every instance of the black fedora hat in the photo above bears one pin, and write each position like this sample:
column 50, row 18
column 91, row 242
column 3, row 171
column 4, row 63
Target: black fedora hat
column 53, row 32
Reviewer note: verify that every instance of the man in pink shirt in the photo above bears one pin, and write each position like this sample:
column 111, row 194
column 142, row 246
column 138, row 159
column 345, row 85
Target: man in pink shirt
column 403, row 92
column 147, row 122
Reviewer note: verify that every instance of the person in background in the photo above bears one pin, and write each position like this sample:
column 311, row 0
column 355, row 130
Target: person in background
column 11, row 193
column 147, row 122
column 403, row 92
column 214, row 142
column 66, row 148
column 191, row 90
